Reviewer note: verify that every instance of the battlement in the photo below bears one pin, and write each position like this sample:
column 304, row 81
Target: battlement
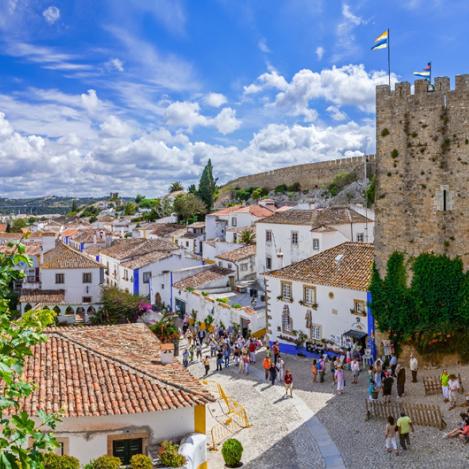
column 421, row 87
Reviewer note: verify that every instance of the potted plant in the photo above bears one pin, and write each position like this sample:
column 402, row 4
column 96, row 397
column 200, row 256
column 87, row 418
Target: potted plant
column 169, row 456
column 141, row 461
column 232, row 450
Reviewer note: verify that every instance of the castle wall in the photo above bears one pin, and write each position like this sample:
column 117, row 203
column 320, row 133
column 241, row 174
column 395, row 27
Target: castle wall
column 310, row 175
column 422, row 169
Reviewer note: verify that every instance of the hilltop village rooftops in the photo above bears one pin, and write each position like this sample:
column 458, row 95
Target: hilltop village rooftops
column 316, row 217
column 36, row 296
column 106, row 370
column 64, row 257
column 130, row 248
column 348, row 265
column 201, row 278
column 238, row 254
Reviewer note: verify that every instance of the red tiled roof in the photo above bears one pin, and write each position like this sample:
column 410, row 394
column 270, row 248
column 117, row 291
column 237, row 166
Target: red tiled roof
column 35, row 296
column 106, row 370
column 348, row 265
column 238, row 254
column 130, row 248
column 64, row 257
column 225, row 211
column 201, row 278
column 256, row 211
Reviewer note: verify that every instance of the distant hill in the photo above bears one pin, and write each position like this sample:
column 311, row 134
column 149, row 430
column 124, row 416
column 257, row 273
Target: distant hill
column 44, row 205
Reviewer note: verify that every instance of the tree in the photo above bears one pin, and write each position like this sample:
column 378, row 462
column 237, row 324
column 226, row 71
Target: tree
column 22, row 440
column 192, row 189
column 139, row 198
column 119, row 307
column 130, row 208
column 207, row 186
column 247, row 236
column 175, row 187
column 189, row 206
column 18, row 225
column 74, row 207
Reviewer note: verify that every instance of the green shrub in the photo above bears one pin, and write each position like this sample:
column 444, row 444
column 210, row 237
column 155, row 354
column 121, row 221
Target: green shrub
column 385, row 132
column 140, row 461
column 54, row 461
column 107, row 462
column 394, row 153
column 169, row 455
column 341, row 180
column 281, row 189
column 232, row 451
column 295, row 187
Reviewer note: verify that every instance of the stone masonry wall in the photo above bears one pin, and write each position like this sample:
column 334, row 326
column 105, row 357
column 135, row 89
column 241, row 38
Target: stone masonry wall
column 422, row 169
column 310, row 175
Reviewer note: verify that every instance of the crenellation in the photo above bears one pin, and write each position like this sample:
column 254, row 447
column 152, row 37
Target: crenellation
column 402, row 89
column 420, row 86
column 442, row 84
column 462, row 83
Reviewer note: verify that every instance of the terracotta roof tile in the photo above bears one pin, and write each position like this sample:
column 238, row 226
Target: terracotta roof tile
column 64, row 257
column 214, row 272
column 348, row 265
column 107, row 370
column 35, row 296
column 129, row 248
column 316, row 217
column 238, row 254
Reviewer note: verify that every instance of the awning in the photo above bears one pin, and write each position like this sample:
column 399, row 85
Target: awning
column 357, row 335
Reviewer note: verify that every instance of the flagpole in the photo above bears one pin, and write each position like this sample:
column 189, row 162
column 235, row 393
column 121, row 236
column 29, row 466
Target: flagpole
column 389, row 58
column 430, row 72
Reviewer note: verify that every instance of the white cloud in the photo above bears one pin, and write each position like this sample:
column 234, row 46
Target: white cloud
column 336, row 113
column 226, row 121
column 262, row 45
column 90, row 101
column 51, row 14
column 115, row 127
column 215, row 99
column 319, row 52
column 350, row 85
column 346, row 45
column 115, row 64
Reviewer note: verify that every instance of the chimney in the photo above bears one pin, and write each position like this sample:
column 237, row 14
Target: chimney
column 166, row 353
column 41, row 257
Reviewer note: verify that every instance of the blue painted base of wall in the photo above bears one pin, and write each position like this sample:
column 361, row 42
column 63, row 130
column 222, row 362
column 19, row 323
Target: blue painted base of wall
column 292, row 349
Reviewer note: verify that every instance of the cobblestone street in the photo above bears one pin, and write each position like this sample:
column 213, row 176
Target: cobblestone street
column 317, row 429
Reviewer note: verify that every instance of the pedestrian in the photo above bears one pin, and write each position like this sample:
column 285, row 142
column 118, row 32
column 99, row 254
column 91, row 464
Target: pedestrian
column 339, row 379
column 404, row 426
column 333, row 367
column 276, row 351
column 314, row 370
column 219, row 359
column 393, row 364
column 191, row 353
column 378, row 378
column 226, row 355
column 444, row 380
column 387, row 386
column 206, row 365
column 321, row 370
column 390, row 435
column 246, row 363
column 355, row 367
column 371, row 384
column 458, row 430
column 273, row 373
column 266, row 364
column 414, row 366
column 213, row 347
column 281, row 368
column 199, row 351
column 288, row 380
column 236, row 354
column 252, row 351
column 185, row 358
column 453, row 385
column 400, row 371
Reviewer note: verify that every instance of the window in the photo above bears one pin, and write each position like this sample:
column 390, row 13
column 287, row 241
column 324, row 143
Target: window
column 86, row 299
column 287, row 323
column 316, row 244
column 59, row 278
column 187, row 244
column 220, row 263
column 309, row 295
column 87, row 277
column 268, row 236
column 286, row 291
column 268, row 263
column 316, row 332
column 359, row 307
column 244, row 267
column 230, row 265
column 146, row 277
column 123, row 447
column 235, row 238
column 360, row 237
column 294, row 238
column 126, row 274
column 234, row 221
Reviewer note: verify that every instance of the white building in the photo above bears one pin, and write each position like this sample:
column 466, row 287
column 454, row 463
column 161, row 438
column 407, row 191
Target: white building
column 139, row 266
column 323, row 296
column 241, row 260
column 293, row 235
column 69, row 283
column 135, row 394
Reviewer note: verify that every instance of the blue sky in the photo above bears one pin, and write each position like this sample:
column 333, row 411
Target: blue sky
column 130, row 95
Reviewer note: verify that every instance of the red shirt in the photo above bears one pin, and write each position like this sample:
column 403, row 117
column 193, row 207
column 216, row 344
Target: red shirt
column 252, row 347
column 275, row 349
column 465, row 430
column 288, row 378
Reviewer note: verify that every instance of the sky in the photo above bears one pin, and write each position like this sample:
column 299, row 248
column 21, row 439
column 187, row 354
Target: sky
column 131, row 95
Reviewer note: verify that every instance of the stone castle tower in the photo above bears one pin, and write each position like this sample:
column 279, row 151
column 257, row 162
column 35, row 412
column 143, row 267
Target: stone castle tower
column 422, row 169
